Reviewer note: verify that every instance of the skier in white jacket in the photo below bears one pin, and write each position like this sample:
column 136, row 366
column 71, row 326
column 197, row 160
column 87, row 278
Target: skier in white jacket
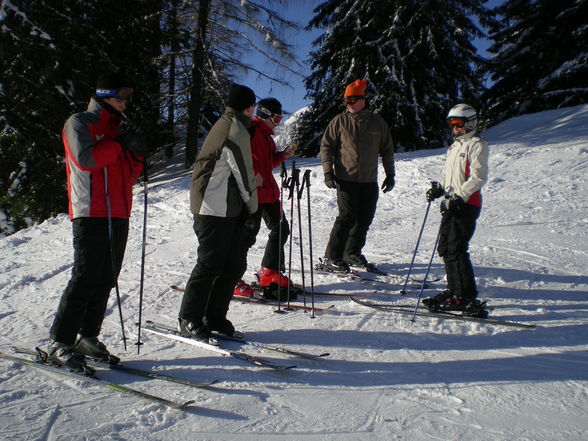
column 465, row 172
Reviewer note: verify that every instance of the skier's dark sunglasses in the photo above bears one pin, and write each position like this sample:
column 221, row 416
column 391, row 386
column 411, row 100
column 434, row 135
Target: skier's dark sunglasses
column 350, row 100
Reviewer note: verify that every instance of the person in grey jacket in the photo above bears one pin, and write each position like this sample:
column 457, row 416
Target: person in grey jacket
column 465, row 172
column 350, row 148
column 223, row 195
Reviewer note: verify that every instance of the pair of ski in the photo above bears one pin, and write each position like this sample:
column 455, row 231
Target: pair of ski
column 259, row 300
column 356, row 274
column 172, row 334
column 40, row 361
column 409, row 310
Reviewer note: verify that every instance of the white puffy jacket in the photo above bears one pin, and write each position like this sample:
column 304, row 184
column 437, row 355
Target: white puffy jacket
column 466, row 168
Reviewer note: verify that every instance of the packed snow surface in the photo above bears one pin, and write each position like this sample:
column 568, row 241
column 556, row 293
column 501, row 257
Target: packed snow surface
column 386, row 378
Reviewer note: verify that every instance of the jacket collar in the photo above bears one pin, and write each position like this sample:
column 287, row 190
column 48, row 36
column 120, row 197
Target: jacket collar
column 241, row 117
column 98, row 106
column 263, row 127
column 466, row 137
column 362, row 114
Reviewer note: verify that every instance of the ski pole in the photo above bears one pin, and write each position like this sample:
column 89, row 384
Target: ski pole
column 284, row 183
column 143, row 246
column 306, row 180
column 299, row 192
column 426, row 274
column 294, row 182
column 112, row 257
column 403, row 290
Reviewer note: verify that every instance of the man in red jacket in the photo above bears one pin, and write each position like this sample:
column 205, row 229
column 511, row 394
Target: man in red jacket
column 265, row 159
column 102, row 165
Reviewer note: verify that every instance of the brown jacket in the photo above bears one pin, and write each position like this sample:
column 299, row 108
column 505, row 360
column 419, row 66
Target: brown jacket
column 352, row 144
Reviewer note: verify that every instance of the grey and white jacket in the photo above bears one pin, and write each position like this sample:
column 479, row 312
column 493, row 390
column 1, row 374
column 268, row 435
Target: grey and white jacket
column 223, row 178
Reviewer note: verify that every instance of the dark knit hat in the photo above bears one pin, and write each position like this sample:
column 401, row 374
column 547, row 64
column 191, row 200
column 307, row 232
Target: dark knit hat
column 240, row 97
column 111, row 81
column 271, row 104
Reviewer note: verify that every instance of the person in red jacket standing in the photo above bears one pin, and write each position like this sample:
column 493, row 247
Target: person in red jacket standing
column 265, row 159
column 102, row 164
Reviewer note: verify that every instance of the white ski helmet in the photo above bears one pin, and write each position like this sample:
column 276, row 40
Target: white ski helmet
column 465, row 112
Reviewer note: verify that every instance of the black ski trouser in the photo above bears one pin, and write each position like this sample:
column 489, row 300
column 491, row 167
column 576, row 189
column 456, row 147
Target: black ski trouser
column 456, row 231
column 223, row 243
column 274, row 250
column 357, row 207
column 83, row 303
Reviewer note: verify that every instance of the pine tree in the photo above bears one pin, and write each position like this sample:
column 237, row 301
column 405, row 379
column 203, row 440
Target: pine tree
column 541, row 57
column 418, row 59
column 51, row 54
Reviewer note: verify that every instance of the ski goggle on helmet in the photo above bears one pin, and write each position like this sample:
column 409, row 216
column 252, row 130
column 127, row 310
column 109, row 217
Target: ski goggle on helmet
column 463, row 115
column 121, row 94
column 266, row 113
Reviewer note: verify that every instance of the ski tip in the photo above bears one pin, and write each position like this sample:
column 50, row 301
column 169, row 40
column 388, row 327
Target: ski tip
column 184, row 404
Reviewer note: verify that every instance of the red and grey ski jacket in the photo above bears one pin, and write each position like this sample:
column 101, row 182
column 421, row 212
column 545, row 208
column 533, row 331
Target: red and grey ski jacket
column 466, row 168
column 95, row 163
column 265, row 159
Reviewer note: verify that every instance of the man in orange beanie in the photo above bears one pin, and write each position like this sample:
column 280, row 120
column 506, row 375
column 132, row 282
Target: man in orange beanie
column 350, row 148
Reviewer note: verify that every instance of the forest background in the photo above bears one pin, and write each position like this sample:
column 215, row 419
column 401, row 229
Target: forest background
column 419, row 58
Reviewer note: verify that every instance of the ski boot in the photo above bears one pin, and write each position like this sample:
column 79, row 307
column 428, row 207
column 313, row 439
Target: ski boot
column 223, row 327
column 474, row 308
column 439, row 301
column 243, row 289
column 196, row 331
column 333, row 265
column 61, row 354
column 270, row 280
column 95, row 349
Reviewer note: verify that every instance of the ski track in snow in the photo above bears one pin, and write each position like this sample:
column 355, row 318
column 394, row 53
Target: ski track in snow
column 386, row 378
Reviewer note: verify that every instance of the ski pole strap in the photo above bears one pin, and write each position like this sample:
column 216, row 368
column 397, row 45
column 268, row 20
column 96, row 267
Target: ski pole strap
column 294, row 180
column 284, row 175
column 305, row 183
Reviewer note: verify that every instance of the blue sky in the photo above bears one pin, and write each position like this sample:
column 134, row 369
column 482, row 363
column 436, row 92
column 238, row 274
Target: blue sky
column 292, row 98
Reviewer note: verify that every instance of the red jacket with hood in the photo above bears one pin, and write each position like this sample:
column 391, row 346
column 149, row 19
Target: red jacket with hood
column 95, row 161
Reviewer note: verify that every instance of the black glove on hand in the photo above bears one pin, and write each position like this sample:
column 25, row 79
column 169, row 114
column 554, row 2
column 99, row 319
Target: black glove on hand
column 436, row 191
column 134, row 142
column 455, row 204
column 388, row 184
column 330, row 180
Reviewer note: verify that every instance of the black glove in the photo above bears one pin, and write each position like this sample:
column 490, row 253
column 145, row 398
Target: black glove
column 330, row 180
column 436, row 191
column 388, row 184
column 134, row 142
column 455, row 204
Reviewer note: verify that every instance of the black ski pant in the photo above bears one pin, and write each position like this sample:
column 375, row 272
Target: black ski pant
column 83, row 303
column 223, row 243
column 357, row 207
column 273, row 258
column 456, row 231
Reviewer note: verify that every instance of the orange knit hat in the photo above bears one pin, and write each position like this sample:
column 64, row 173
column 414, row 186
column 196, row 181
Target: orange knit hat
column 357, row 88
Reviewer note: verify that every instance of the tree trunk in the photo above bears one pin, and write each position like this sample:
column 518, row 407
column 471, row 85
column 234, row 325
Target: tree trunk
column 196, row 89
column 171, row 101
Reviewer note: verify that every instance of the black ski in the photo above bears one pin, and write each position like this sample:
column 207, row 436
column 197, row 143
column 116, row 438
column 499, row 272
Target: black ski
column 170, row 333
column 135, row 371
column 401, row 309
column 92, row 378
column 272, row 348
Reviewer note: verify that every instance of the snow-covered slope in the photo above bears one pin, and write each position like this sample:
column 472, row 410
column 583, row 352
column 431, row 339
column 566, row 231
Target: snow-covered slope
column 386, row 378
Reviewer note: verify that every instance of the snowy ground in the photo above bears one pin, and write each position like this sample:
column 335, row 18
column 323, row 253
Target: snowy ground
column 386, row 379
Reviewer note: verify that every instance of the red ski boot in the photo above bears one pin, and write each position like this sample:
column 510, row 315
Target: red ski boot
column 243, row 289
